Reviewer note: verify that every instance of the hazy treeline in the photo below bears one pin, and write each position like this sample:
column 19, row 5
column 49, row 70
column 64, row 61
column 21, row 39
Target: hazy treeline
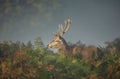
column 35, row 61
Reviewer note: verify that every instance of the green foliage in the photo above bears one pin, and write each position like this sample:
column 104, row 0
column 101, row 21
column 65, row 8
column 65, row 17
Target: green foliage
column 38, row 44
column 20, row 61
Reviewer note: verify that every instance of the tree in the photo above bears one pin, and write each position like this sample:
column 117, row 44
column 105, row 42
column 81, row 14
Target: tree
column 114, row 45
column 38, row 44
column 29, row 45
column 79, row 43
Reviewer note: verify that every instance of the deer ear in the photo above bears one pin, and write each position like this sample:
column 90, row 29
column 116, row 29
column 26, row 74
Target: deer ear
column 54, row 34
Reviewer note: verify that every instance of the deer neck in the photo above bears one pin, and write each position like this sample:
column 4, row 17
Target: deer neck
column 64, row 47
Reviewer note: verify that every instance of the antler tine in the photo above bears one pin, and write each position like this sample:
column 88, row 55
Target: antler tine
column 58, row 30
column 61, row 27
column 65, row 28
column 61, row 30
column 67, row 25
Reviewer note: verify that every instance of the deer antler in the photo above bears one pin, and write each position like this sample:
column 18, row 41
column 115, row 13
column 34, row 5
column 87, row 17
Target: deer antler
column 64, row 29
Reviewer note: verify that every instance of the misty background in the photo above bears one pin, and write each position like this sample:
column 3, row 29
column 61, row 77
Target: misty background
column 93, row 21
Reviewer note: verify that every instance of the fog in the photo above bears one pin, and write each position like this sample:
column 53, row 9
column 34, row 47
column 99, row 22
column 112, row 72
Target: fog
column 93, row 21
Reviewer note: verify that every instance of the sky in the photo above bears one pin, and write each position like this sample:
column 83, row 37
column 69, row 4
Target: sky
column 94, row 22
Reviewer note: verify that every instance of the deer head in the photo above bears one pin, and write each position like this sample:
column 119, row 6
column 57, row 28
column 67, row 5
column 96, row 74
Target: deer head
column 59, row 42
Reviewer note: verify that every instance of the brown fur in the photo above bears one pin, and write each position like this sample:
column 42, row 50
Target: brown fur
column 61, row 45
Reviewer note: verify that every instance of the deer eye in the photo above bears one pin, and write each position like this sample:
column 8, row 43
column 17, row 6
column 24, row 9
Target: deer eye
column 57, row 41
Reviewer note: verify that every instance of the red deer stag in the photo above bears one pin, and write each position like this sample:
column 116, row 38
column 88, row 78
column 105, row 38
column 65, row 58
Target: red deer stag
column 61, row 45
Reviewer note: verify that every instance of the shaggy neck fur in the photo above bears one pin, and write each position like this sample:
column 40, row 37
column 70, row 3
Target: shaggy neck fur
column 64, row 48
